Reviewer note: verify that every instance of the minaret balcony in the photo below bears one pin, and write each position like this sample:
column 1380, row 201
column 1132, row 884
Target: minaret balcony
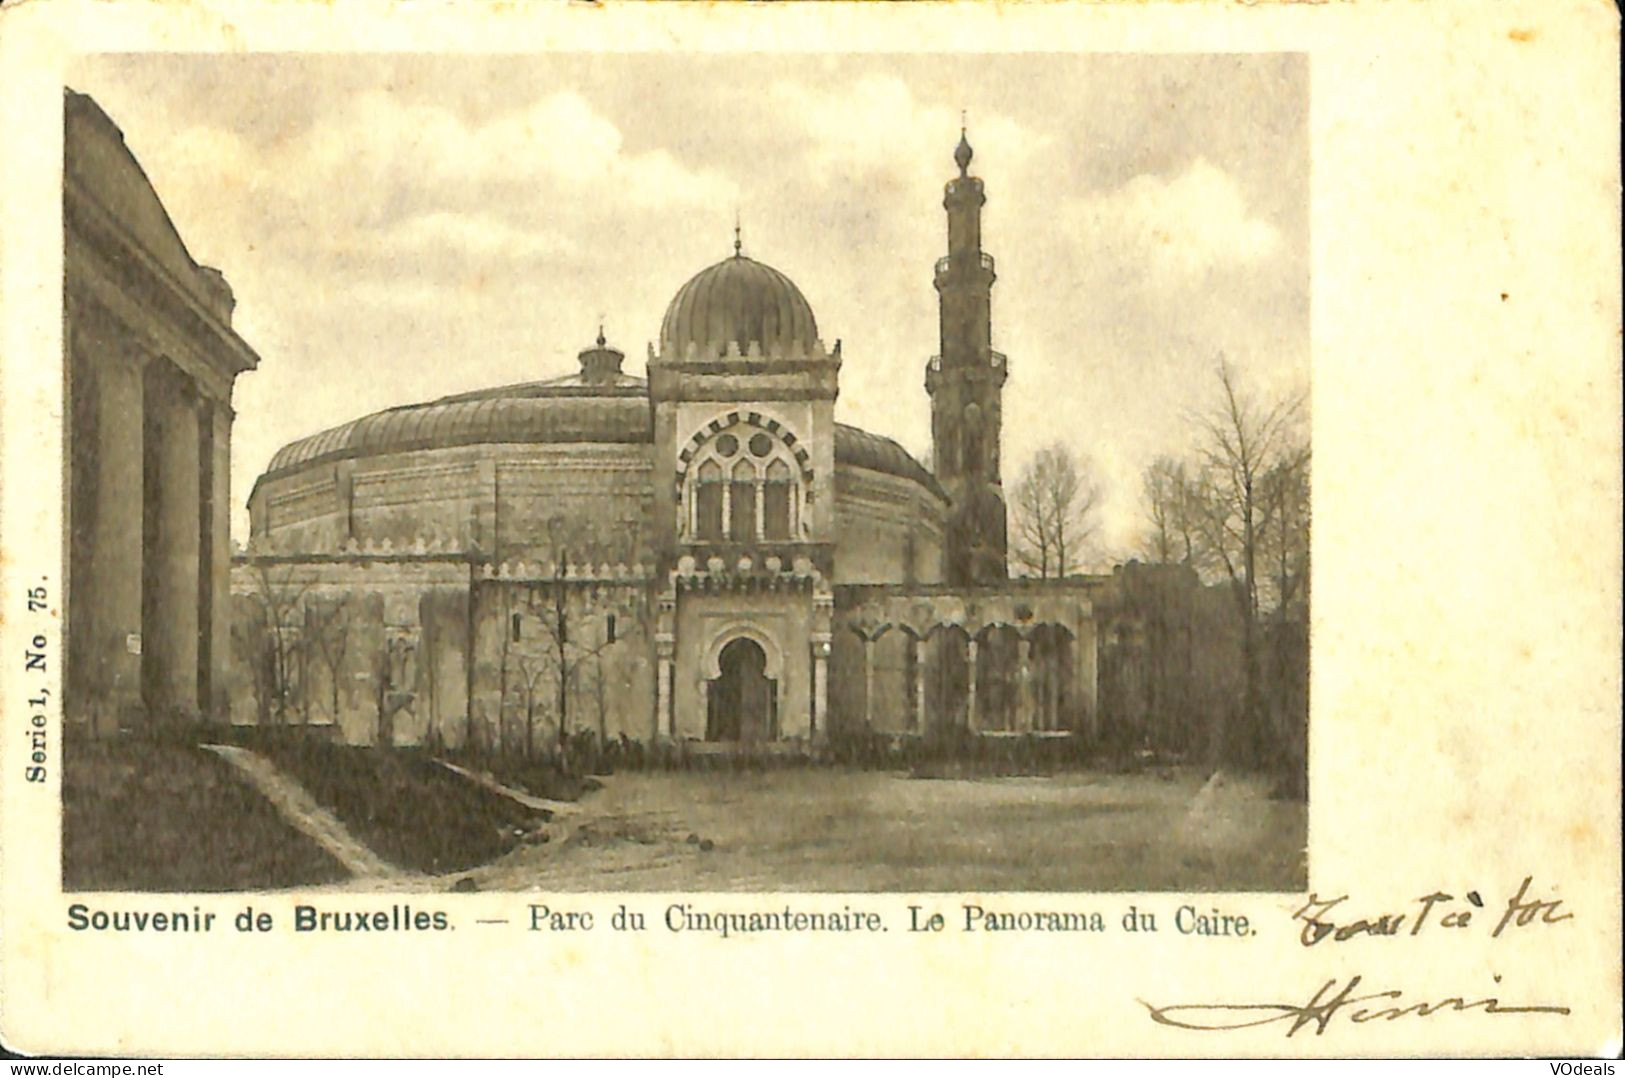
column 995, row 369
column 996, row 361
column 948, row 265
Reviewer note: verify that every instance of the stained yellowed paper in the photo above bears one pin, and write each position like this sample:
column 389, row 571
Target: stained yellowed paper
column 1460, row 236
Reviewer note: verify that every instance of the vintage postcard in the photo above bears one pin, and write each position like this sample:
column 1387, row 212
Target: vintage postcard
column 831, row 529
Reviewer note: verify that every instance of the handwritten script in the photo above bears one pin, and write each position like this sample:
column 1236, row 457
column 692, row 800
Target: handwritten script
column 1330, row 1001
column 1330, row 920
column 1325, row 918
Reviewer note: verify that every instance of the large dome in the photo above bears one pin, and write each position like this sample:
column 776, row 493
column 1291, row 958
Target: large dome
column 742, row 302
column 563, row 410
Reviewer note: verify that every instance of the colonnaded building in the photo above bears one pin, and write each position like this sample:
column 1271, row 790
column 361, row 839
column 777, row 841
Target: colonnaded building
column 704, row 557
column 149, row 360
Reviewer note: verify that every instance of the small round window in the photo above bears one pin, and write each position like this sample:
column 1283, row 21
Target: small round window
column 761, row 445
column 728, row 445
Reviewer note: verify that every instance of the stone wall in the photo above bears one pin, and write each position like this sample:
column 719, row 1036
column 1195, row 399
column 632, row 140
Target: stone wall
column 375, row 647
column 531, row 631
column 367, row 648
column 498, row 499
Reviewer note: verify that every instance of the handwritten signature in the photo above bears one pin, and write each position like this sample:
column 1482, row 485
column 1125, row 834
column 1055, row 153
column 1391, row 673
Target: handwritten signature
column 1331, row 1000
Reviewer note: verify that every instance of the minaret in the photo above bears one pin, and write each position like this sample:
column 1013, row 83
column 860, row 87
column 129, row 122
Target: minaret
column 966, row 382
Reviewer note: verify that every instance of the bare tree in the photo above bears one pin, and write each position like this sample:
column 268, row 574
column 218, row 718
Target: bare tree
column 532, row 696
column 1245, row 440
column 281, row 601
column 1055, row 504
column 571, row 641
column 327, row 631
column 1166, row 493
column 250, row 640
column 599, row 679
column 1285, row 542
column 392, row 670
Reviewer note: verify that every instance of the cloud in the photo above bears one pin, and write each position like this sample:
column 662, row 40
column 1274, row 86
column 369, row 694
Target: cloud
column 876, row 127
column 1175, row 229
column 477, row 236
column 558, row 143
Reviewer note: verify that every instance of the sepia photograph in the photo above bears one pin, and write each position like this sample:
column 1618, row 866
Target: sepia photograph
column 569, row 472
column 756, row 530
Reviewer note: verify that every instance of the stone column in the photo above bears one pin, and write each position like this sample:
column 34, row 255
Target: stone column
column 1024, row 701
column 820, row 716
column 970, row 685
column 219, row 525
column 868, row 684
column 1087, row 687
column 919, row 683
column 664, row 647
column 112, row 579
column 172, row 623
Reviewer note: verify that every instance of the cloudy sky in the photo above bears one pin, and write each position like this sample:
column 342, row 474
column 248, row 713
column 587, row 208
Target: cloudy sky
column 397, row 228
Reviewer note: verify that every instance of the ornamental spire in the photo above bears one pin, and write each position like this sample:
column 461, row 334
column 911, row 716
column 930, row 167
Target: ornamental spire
column 963, row 152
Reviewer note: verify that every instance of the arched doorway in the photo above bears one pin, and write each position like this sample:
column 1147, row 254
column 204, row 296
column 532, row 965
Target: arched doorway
column 1052, row 672
column 742, row 704
column 947, row 680
column 998, row 661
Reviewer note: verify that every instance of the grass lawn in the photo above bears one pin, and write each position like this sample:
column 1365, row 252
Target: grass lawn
column 144, row 816
column 410, row 810
column 835, row 830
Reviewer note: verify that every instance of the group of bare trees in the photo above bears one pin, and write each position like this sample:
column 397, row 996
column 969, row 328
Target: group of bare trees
column 272, row 643
column 547, row 681
column 294, row 630
column 1237, row 511
column 1055, row 505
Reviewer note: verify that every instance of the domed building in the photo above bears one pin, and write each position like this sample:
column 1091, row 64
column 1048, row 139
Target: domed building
column 703, row 558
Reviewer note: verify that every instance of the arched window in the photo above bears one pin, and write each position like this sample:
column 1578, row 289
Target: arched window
column 708, row 501
column 776, row 494
column 744, row 485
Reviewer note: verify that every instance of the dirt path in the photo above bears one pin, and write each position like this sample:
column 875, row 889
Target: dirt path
column 480, row 778
column 300, row 809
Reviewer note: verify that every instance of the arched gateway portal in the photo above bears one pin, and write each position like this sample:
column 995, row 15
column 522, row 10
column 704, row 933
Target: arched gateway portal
column 742, row 702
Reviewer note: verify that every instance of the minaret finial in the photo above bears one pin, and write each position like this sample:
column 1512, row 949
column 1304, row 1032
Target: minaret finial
column 962, row 152
column 601, row 341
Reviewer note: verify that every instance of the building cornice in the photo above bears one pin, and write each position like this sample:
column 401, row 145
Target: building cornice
column 125, row 263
